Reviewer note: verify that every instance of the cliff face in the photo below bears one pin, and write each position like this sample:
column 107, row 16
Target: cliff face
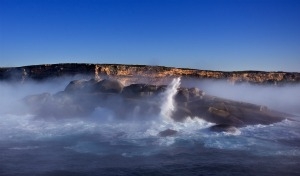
column 128, row 74
column 42, row 72
column 163, row 73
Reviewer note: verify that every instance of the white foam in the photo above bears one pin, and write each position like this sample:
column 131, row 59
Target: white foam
column 25, row 148
column 257, row 138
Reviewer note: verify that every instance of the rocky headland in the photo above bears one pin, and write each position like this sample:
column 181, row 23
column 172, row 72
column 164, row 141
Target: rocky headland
column 136, row 91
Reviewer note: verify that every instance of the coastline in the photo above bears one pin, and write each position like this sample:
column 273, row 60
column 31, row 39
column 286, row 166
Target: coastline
column 135, row 73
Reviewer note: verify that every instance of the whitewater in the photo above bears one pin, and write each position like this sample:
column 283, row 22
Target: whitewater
column 104, row 145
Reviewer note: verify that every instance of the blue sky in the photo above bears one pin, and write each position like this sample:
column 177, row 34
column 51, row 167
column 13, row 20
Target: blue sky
column 203, row 34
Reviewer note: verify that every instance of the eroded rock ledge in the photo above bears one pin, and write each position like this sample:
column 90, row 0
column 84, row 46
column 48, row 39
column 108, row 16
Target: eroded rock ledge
column 80, row 98
column 129, row 74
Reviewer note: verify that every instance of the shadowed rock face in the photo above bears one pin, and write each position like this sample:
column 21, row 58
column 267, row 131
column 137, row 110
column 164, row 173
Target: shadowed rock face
column 131, row 74
column 81, row 97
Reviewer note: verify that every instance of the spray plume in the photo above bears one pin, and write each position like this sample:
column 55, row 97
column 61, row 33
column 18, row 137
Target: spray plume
column 168, row 99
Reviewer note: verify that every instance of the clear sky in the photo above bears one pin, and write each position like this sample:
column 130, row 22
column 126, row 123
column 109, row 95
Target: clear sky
column 202, row 34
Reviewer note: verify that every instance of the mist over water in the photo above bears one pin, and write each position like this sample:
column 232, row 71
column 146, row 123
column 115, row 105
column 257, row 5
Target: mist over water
column 102, row 144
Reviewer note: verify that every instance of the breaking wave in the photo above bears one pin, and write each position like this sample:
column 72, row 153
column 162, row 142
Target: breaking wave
column 168, row 98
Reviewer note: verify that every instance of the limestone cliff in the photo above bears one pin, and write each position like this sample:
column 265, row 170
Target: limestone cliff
column 128, row 74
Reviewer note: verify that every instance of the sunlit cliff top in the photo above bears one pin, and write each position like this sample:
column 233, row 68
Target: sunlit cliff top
column 131, row 72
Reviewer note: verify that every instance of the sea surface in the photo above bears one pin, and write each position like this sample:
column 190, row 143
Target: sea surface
column 102, row 144
column 115, row 147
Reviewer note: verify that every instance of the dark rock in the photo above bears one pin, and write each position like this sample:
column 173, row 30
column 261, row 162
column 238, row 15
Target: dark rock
column 142, row 90
column 195, row 93
column 108, row 86
column 181, row 113
column 168, row 132
column 223, row 128
column 218, row 112
column 224, row 111
column 76, row 85
column 104, row 86
column 81, row 85
column 182, row 95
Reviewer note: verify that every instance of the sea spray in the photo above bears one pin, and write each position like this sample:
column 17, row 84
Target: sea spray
column 168, row 106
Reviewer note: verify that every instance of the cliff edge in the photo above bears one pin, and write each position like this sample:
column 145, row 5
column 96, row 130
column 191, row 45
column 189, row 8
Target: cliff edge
column 129, row 74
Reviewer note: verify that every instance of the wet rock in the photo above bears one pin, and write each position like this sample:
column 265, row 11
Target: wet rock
column 224, row 111
column 142, row 90
column 168, row 132
column 181, row 113
column 75, row 85
column 223, row 128
column 182, row 95
column 80, row 85
column 218, row 112
column 94, row 86
column 195, row 93
column 108, row 86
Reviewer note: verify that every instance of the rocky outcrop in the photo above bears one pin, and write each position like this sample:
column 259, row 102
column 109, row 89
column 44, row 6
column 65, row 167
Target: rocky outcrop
column 130, row 74
column 81, row 97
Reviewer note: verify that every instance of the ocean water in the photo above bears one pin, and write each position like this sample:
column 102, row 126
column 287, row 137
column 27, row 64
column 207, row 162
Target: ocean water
column 105, row 145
